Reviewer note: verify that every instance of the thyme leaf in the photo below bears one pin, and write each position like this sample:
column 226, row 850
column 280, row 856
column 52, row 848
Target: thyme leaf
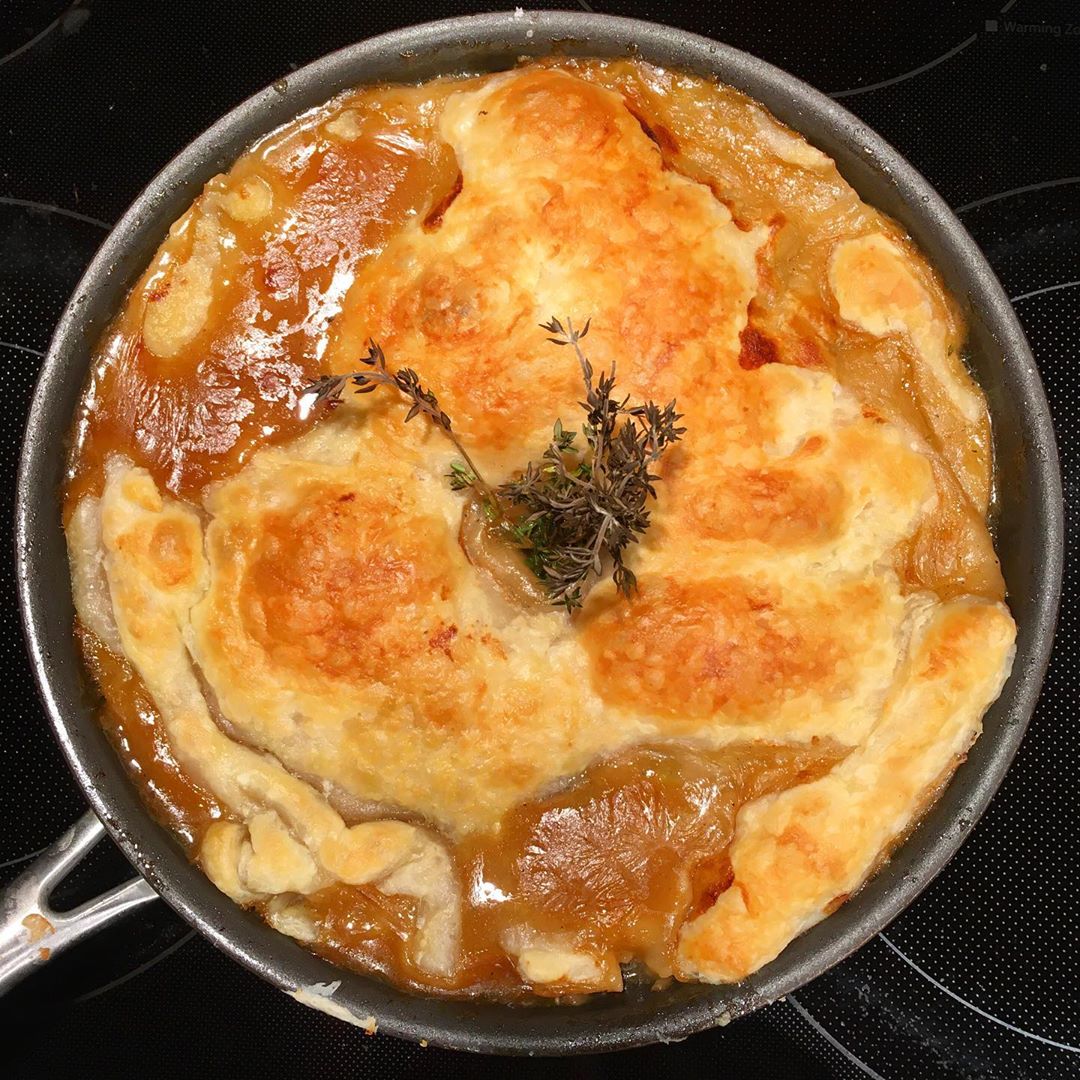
column 575, row 512
column 327, row 392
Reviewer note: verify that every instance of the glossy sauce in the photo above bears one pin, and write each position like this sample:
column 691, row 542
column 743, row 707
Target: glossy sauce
column 612, row 864
column 197, row 415
column 616, row 860
column 131, row 721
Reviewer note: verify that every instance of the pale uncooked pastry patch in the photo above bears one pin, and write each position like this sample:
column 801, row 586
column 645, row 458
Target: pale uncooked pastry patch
column 347, row 125
column 553, row 959
column 177, row 309
column 249, row 200
column 320, row 996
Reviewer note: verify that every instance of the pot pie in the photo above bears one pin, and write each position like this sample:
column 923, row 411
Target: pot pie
column 351, row 727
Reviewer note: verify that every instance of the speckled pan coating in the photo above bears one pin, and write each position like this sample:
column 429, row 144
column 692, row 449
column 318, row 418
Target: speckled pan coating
column 1029, row 529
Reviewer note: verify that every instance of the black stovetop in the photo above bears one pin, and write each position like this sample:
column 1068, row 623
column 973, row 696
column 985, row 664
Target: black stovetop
column 980, row 978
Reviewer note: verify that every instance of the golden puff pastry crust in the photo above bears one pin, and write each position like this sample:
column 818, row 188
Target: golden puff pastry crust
column 362, row 703
column 344, row 631
column 799, row 854
column 581, row 216
column 152, row 550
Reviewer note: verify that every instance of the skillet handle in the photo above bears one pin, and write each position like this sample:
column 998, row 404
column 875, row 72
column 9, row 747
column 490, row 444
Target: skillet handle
column 31, row 932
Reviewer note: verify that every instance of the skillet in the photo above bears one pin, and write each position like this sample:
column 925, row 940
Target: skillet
column 1028, row 524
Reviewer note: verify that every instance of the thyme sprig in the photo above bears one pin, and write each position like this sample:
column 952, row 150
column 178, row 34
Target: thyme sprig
column 578, row 509
column 574, row 512
column 328, row 390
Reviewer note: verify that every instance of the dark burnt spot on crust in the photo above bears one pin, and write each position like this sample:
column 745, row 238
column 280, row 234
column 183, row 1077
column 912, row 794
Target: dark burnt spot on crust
column 808, row 355
column 660, row 135
column 435, row 215
column 442, row 638
column 711, row 878
column 756, row 350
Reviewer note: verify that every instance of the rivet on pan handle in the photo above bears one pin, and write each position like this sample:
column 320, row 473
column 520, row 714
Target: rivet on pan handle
column 31, row 932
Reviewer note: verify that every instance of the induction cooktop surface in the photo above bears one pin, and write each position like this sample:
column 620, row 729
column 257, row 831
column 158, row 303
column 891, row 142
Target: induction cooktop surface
column 978, row 979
